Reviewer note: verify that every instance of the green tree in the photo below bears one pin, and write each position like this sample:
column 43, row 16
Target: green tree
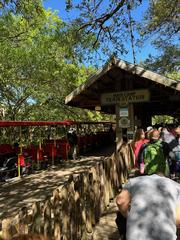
column 110, row 21
column 114, row 24
column 162, row 18
column 39, row 66
column 163, row 120
column 166, row 62
column 161, row 24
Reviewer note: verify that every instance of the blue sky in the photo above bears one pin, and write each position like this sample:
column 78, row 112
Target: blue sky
column 141, row 54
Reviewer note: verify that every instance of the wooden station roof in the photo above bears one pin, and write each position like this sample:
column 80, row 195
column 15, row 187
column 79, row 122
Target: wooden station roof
column 118, row 76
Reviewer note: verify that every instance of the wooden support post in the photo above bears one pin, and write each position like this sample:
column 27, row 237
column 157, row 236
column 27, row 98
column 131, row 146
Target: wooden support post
column 131, row 128
column 87, row 186
column 36, row 218
column 118, row 129
column 47, row 218
column 57, row 212
column 65, row 213
column 131, row 116
column 72, row 210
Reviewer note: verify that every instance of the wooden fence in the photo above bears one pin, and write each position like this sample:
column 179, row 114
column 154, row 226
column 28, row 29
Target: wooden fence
column 74, row 208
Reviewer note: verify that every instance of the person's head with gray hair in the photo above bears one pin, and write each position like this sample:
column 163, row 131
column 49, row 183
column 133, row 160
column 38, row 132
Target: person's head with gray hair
column 154, row 135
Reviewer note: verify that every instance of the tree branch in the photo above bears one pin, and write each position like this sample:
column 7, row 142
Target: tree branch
column 106, row 17
column 101, row 20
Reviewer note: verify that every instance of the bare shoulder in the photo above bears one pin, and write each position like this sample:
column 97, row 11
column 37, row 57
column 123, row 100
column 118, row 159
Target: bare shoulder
column 123, row 201
column 178, row 216
column 124, row 195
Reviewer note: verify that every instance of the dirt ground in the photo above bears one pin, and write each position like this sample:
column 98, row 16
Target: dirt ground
column 36, row 187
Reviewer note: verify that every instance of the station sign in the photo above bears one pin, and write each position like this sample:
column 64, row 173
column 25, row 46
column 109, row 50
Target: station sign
column 125, row 97
column 123, row 112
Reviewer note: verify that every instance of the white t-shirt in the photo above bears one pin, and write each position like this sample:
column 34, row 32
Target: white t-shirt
column 153, row 206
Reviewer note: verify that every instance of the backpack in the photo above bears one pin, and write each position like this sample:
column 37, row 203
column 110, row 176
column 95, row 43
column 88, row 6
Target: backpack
column 121, row 224
column 154, row 159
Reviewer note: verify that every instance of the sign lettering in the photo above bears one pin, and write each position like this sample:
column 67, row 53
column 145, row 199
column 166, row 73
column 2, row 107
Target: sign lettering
column 123, row 98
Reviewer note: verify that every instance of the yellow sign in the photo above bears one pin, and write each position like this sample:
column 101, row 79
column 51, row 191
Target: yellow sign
column 123, row 98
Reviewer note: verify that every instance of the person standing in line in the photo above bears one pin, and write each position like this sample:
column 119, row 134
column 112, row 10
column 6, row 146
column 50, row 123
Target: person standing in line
column 138, row 141
column 151, row 205
column 154, row 155
column 147, row 132
column 170, row 138
column 176, row 151
column 73, row 141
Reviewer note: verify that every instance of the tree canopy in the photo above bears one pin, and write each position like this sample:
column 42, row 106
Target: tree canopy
column 39, row 64
column 115, row 23
column 41, row 56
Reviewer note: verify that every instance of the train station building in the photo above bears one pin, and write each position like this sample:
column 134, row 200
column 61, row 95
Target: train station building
column 131, row 92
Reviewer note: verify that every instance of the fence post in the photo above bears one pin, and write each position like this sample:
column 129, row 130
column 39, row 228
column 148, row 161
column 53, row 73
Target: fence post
column 65, row 213
column 57, row 211
column 36, row 218
column 47, row 218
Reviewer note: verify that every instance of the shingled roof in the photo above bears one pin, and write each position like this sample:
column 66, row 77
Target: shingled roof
column 118, row 75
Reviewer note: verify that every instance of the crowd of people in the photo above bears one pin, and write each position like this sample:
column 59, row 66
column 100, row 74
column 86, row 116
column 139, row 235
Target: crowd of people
column 149, row 204
column 157, row 149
